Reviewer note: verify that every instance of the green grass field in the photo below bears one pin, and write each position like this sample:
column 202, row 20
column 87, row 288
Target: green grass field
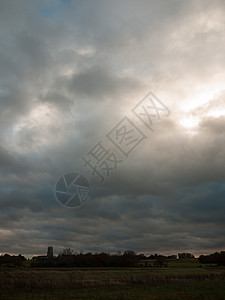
column 180, row 280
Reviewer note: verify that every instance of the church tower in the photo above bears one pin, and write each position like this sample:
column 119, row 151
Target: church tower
column 50, row 252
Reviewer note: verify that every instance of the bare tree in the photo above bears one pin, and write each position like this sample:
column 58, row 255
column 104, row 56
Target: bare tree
column 66, row 252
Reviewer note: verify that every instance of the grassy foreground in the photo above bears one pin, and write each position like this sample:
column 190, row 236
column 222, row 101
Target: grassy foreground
column 177, row 281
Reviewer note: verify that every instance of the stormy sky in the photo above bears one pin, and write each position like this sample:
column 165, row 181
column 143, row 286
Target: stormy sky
column 70, row 73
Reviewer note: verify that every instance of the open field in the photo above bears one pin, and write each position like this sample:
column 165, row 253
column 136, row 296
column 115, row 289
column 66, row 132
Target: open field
column 177, row 281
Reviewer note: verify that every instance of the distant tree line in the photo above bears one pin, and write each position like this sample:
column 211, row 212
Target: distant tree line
column 7, row 260
column 216, row 258
column 68, row 258
column 185, row 255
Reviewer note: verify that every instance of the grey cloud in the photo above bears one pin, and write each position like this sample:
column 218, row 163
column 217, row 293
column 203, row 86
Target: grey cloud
column 214, row 126
column 59, row 100
column 96, row 83
column 69, row 73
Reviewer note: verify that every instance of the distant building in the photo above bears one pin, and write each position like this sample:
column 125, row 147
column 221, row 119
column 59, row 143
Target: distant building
column 44, row 257
column 50, row 252
column 40, row 257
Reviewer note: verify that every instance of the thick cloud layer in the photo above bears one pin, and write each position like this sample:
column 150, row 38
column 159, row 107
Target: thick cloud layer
column 70, row 72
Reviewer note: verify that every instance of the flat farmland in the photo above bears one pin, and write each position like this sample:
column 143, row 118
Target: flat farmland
column 177, row 281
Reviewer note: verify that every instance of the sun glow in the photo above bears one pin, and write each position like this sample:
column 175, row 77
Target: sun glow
column 200, row 99
column 206, row 103
column 216, row 113
column 190, row 122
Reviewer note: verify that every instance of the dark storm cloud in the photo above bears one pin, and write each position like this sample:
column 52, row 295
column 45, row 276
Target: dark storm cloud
column 98, row 83
column 215, row 126
column 69, row 73
column 59, row 100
